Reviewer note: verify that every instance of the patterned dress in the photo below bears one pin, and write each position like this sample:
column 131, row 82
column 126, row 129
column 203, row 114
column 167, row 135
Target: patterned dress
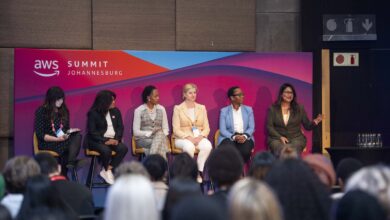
column 43, row 125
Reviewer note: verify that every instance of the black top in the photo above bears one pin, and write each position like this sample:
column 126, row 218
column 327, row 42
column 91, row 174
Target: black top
column 97, row 126
column 43, row 126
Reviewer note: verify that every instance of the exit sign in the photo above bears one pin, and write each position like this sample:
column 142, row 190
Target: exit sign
column 348, row 27
column 345, row 59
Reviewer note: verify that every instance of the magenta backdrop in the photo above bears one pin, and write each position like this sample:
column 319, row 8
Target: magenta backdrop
column 258, row 74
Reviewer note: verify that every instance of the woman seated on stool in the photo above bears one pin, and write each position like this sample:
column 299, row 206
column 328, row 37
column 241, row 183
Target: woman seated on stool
column 104, row 134
column 191, row 126
column 237, row 124
column 150, row 125
column 52, row 129
column 284, row 121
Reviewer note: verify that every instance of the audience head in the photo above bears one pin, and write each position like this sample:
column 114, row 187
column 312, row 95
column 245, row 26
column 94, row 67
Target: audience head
column 251, row 199
column 359, row 205
column 47, row 163
column 189, row 92
column 184, row 166
column 179, row 188
column 156, row 166
column 4, row 213
column 225, row 165
column 16, row 172
column 104, row 100
column 323, row 167
column 40, row 194
column 131, row 197
column 346, row 168
column 198, row 208
column 288, row 152
column 260, row 165
column 150, row 94
column 374, row 180
column 132, row 167
column 299, row 190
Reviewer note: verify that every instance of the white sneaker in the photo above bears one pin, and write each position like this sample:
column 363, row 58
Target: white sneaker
column 107, row 176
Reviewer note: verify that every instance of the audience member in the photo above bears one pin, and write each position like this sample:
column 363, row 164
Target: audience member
column 198, row 208
column 131, row 198
column 40, row 194
column 76, row 196
column 345, row 169
column 16, row 172
column 251, row 199
column 225, row 168
column 132, row 167
column 261, row 163
column 300, row 192
column 156, row 165
column 184, row 166
column 359, row 205
column 4, row 213
column 179, row 188
column 323, row 167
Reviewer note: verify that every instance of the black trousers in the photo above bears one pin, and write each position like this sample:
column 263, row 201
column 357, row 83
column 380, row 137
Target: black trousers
column 106, row 153
column 70, row 155
column 245, row 148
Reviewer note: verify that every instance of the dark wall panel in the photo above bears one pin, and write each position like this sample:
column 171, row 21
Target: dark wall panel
column 6, row 92
column 45, row 23
column 217, row 25
column 134, row 24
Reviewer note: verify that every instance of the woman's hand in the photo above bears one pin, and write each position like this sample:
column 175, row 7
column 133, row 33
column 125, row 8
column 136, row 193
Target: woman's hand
column 63, row 138
column 284, row 140
column 318, row 119
column 111, row 142
column 193, row 140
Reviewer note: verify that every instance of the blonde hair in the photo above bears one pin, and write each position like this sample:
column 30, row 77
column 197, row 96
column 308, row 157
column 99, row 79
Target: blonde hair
column 187, row 87
column 251, row 199
column 131, row 197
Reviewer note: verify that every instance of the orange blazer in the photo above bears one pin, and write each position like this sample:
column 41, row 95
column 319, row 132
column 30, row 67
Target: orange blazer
column 182, row 123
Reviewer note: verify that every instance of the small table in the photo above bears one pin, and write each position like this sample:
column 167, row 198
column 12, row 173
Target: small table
column 368, row 156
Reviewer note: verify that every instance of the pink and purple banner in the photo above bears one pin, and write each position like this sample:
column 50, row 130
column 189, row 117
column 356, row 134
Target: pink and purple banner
column 82, row 73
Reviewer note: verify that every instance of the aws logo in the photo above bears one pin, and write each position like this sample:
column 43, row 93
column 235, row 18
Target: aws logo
column 43, row 66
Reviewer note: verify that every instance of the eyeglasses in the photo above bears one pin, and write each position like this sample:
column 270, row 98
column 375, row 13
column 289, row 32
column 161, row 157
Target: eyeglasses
column 239, row 94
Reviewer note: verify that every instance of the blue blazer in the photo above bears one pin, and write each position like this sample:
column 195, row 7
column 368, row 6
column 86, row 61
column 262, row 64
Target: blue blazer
column 226, row 125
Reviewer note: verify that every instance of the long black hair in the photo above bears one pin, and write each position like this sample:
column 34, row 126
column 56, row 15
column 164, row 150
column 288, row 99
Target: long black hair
column 103, row 101
column 52, row 95
column 147, row 92
column 294, row 103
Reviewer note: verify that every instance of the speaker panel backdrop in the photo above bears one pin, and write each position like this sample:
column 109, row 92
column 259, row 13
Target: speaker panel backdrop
column 82, row 73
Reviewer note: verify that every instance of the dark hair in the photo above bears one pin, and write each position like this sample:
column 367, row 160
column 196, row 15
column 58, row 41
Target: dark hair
column 198, row 207
column 230, row 92
column 4, row 213
column 16, row 172
column 156, row 166
column 147, row 92
column 359, row 205
column 297, row 186
column 225, row 165
column 261, row 164
column 52, row 95
column 179, row 189
column 40, row 194
column 347, row 167
column 184, row 166
column 103, row 101
column 47, row 163
column 294, row 103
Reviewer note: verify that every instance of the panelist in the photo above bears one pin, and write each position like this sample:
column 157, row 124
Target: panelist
column 105, row 131
column 284, row 120
column 237, row 124
column 150, row 124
